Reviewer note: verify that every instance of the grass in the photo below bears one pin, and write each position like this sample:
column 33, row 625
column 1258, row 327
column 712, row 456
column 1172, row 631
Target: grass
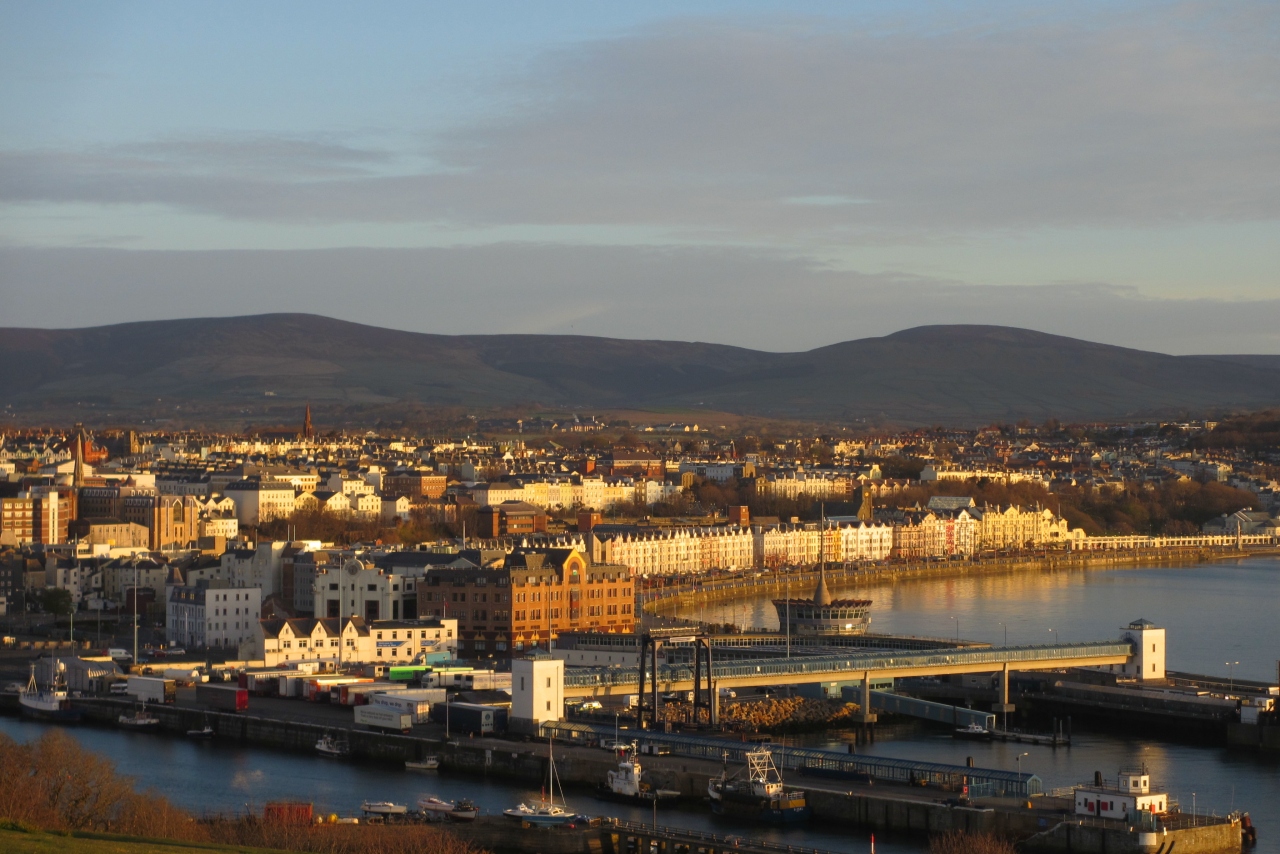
column 38, row 842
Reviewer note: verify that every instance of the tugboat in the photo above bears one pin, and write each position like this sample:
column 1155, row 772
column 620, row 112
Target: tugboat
column 759, row 795
column 140, row 721
column 545, row 813
column 627, row 784
column 972, row 732
column 52, row 703
column 332, row 748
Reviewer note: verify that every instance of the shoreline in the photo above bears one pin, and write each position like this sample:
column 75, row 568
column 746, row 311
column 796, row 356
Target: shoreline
column 668, row 601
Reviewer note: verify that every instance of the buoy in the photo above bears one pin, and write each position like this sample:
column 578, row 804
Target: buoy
column 873, row 843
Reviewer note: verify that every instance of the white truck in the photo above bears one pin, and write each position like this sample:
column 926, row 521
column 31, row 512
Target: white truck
column 384, row 718
column 152, row 689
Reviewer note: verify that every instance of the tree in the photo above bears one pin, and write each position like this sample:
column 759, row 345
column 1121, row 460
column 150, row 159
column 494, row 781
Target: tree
column 56, row 601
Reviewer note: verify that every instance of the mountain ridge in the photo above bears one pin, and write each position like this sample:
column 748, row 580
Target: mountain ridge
column 942, row 373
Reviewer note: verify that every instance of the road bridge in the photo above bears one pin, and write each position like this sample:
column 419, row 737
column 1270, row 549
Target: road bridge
column 852, row 665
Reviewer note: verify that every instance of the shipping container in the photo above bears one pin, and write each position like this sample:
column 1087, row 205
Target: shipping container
column 151, row 689
column 384, row 718
column 287, row 813
column 226, row 698
column 406, row 672
column 470, row 718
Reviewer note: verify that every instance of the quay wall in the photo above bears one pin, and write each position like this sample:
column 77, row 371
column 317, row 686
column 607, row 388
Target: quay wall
column 1073, row 837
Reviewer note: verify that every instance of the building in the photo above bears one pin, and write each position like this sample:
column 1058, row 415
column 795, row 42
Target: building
column 212, row 614
column 823, row 614
column 1132, row 794
column 511, row 519
column 523, row 604
column 259, row 501
column 415, row 484
column 357, row 588
column 106, row 531
column 350, row 640
column 172, row 521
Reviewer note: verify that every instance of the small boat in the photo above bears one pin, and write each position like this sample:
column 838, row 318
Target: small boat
column 332, row 747
column 545, row 813
column 972, row 732
column 760, row 795
column 205, row 733
column 627, row 783
column 52, row 703
column 427, row 763
column 433, row 805
column 383, row 808
column 141, row 720
column 465, row 810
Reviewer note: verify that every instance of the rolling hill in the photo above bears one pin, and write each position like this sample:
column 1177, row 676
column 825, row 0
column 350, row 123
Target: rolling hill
column 241, row 368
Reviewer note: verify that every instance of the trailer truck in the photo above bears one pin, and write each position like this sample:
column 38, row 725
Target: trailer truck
column 152, row 689
column 384, row 718
column 225, row 698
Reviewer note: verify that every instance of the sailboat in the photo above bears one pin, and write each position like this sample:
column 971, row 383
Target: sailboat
column 546, row 812
column 52, row 703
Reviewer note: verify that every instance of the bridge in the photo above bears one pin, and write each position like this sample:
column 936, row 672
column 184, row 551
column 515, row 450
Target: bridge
column 614, row 681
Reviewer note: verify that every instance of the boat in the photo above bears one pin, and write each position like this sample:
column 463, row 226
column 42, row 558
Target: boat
column 760, row 794
column 204, row 733
column 52, row 703
column 427, row 763
column 140, row 720
column 332, row 747
column 546, row 812
column 972, row 732
column 627, row 783
column 434, row 807
column 383, row 808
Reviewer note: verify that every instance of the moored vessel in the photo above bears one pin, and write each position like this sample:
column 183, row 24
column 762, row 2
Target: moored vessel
column 972, row 732
column 627, row 782
column 546, row 812
column 140, row 721
column 52, row 703
column 332, row 747
column 760, row 794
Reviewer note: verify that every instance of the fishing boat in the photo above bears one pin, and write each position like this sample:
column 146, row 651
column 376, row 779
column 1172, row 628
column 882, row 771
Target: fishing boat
column 203, row 734
column 140, row 721
column 546, row 812
column 972, row 732
column 52, row 703
column 383, row 808
column 627, row 782
column 760, row 794
column 332, row 747
column 464, row 810
column 427, row 763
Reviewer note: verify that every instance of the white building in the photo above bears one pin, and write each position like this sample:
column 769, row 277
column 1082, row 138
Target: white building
column 1131, row 795
column 1149, row 651
column 359, row 589
column 537, row 691
column 212, row 614
column 350, row 641
column 260, row 501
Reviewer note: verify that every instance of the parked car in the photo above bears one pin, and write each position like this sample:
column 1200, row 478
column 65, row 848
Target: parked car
column 590, row 706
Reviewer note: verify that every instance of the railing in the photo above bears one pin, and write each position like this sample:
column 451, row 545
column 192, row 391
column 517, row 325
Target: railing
column 602, row 676
column 741, row 843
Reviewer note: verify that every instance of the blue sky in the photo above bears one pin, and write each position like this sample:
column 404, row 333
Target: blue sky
column 788, row 174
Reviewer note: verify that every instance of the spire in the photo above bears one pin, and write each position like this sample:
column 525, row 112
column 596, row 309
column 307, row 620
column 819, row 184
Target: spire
column 307, row 431
column 821, row 595
column 77, row 450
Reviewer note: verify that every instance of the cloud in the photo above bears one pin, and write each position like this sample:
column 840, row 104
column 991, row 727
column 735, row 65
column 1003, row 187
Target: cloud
column 734, row 296
column 793, row 132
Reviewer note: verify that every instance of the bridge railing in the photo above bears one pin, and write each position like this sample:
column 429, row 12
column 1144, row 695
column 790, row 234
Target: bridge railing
column 587, row 677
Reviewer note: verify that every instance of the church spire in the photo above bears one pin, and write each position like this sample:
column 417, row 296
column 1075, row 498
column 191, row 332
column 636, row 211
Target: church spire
column 308, row 432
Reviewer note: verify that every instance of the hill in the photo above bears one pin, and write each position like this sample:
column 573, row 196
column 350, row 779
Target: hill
column 249, row 368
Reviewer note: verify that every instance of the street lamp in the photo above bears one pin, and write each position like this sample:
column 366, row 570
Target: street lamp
column 1051, row 631
column 1019, row 759
column 1005, row 626
column 1193, row 809
column 957, row 619
column 1231, row 685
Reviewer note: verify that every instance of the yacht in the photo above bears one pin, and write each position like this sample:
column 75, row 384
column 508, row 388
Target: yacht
column 383, row 808
column 52, row 703
column 546, row 812
column 461, row 810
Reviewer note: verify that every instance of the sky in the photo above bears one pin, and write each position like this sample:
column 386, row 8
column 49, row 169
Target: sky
column 766, row 174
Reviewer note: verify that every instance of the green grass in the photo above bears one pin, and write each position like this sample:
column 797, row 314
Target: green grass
column 17, row 842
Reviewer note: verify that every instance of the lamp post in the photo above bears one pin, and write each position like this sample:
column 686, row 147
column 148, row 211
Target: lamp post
column 1231, row 669
column 1005, row 626
column 957, row 619
column 1193, row 809
column 1019, row 759
column 1052, row 637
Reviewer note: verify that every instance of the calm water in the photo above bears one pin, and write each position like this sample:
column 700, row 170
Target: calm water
column 1214, row 613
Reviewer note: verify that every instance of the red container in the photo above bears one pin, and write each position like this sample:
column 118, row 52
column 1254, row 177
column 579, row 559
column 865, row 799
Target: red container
column 286, row 812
